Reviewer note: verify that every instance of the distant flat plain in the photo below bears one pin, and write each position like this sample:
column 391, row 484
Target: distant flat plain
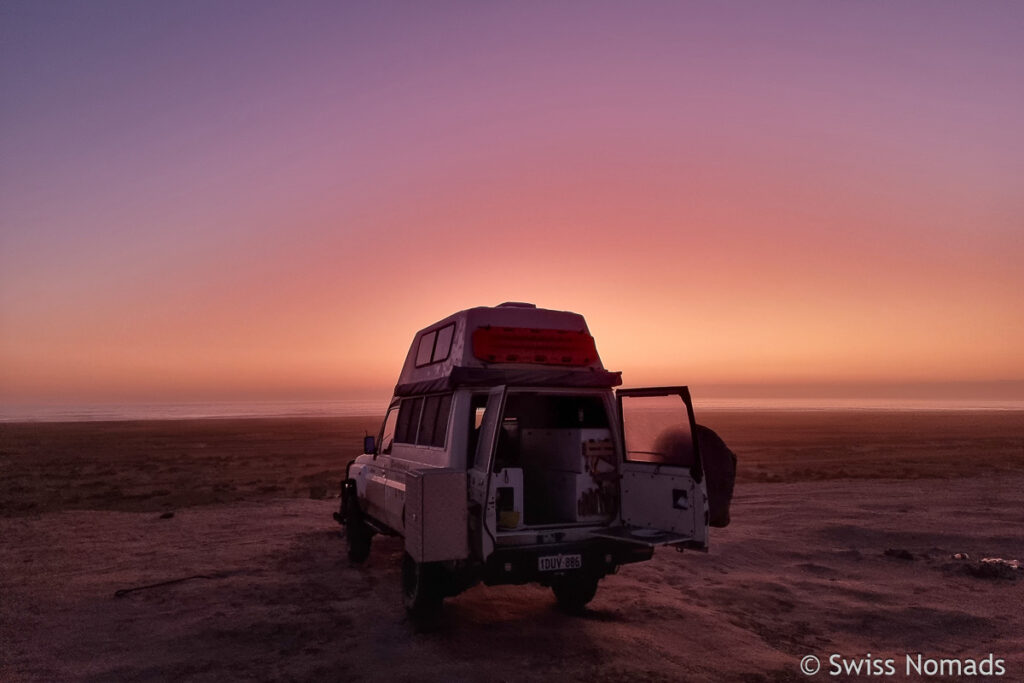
column 166, row 464
column 821, row 495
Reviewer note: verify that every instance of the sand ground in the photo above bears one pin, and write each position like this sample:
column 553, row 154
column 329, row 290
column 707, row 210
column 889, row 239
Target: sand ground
column 802, row 569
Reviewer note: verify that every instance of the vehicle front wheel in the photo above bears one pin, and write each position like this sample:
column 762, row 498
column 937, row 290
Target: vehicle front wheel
column 358, row 537
column 421, row 588
column 574, row 592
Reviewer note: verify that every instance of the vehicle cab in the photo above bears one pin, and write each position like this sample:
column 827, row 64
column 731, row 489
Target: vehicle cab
column 507, row 455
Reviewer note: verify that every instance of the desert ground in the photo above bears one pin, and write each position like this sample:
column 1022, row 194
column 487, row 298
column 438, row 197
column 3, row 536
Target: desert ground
column 844, row 527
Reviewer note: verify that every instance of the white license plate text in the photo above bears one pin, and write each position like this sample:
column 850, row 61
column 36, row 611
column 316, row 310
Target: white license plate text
column 554, row 563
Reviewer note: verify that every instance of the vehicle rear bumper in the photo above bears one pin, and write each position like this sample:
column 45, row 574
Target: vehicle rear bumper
column 521, row 564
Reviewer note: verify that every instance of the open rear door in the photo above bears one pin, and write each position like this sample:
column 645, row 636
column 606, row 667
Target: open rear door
column 481, row 489
column 663, row 493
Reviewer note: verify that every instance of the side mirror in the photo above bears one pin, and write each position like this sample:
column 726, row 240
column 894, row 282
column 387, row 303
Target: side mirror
column 369, row 446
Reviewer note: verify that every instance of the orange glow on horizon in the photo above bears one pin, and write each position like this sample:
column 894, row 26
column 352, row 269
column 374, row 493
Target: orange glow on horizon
column 724, row 199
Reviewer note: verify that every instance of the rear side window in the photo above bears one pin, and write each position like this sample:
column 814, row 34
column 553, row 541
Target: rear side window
column 441, row 426
column 408, row 420
column 426, row 433
column 434, row 423
column 424, row 420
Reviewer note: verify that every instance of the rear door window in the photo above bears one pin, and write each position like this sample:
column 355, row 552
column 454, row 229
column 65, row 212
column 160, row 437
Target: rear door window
column 387, row 435
column 408, row 420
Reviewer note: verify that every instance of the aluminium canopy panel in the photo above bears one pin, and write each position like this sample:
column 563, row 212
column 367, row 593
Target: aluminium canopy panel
column 436, row 515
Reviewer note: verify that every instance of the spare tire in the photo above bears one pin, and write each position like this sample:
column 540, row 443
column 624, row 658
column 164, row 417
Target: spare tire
column 720, row 473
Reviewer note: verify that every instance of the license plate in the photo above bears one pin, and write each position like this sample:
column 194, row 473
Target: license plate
column 554, row 563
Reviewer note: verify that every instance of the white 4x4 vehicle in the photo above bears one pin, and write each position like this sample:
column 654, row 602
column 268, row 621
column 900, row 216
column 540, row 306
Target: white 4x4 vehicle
column 507, row 457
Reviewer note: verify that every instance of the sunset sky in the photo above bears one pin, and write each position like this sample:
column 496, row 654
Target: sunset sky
column 207, row 200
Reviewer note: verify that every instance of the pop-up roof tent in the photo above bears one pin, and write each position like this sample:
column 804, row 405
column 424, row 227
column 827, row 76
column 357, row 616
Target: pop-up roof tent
column 515, row 344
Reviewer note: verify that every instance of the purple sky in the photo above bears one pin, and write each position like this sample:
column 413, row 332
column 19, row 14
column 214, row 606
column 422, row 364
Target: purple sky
column 207, row 198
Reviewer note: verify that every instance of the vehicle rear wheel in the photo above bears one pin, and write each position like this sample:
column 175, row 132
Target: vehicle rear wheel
column 422, row 590
column 574, row 592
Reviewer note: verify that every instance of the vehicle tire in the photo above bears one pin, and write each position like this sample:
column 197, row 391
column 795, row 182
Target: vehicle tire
column 422, row 590
column 358, row 537
column 574, row 592
column 357, row 534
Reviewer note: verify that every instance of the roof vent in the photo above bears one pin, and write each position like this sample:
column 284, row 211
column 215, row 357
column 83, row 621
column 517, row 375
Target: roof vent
column 516, row 304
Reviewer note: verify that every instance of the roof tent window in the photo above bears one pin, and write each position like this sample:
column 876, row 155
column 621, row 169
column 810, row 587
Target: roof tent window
column 426, row 348
column 434, row 346
column 444, row 343
column 408, row 420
